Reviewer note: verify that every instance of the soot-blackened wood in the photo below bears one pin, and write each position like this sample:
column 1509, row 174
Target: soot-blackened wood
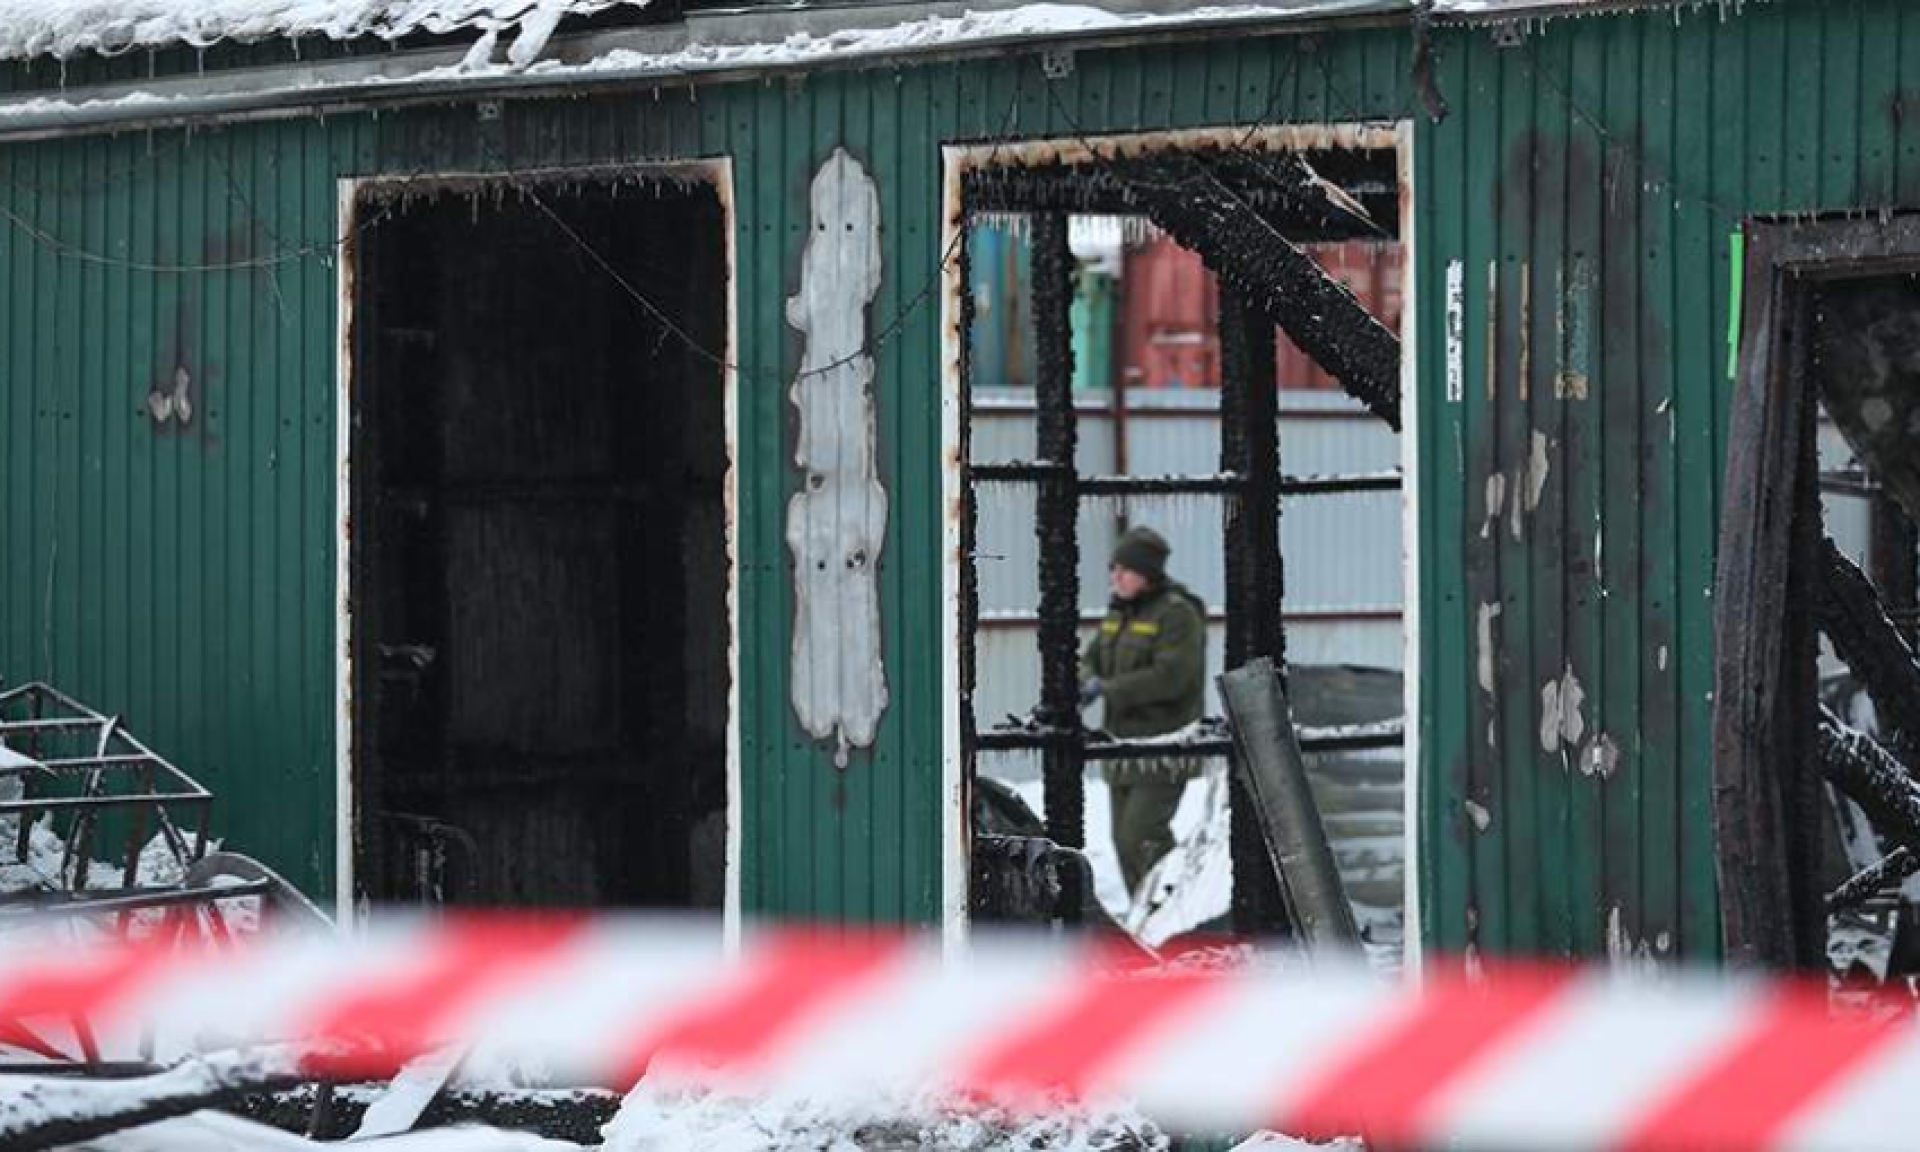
column 1850, row 612
column 1359, row 203
column 1895, row 552
column 1766, row 797
column 1250, row 447
column 1056, row 524
column 1869, row 776
column 1317, row 312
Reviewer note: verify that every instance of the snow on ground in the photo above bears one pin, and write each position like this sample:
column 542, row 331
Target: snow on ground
column 218, row 1132
column 1274, row 1142
column 1193, row 885
column 684, row 1120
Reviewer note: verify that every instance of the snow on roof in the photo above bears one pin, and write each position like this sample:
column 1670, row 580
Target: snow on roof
column 65, row 28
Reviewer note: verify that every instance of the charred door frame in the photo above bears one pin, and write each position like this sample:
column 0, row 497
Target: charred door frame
column 717, row 172
column 956, row 161
column 1765, row 642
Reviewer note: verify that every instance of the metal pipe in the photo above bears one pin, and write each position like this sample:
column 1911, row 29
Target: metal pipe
column 1268, row 761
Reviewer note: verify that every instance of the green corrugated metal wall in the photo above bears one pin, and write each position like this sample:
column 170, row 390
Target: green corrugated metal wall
column 1585, row 183
column 187, row 579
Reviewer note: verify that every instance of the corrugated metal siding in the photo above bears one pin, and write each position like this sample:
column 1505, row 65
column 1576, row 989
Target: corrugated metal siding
column 187, row 580
column 1586, row 183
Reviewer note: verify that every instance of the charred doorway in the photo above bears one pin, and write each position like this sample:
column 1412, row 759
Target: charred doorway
column 539, row 564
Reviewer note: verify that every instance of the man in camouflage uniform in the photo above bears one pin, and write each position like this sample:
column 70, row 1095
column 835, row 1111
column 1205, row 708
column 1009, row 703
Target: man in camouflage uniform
column 1148, row 664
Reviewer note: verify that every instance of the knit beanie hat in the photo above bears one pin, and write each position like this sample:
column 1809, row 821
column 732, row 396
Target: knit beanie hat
column 1144, row 551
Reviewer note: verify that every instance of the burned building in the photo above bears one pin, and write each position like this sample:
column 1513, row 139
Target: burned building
column 521, row 453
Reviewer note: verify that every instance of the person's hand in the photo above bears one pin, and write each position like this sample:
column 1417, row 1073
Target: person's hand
column 1090, row 690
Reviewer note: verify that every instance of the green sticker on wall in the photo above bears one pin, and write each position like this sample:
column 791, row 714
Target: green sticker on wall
column 1736, row 283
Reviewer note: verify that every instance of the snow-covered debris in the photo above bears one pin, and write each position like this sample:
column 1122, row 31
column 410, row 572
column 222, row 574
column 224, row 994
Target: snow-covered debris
column 218, row 1132
column 65, row 28
column 1274, row 1142
column 655, row 1119
column 37, row 1109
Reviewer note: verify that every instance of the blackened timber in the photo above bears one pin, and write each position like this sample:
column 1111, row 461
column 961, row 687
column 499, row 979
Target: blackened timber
column 1316, row 311
column 1056, row 524
column 1358, row 203
column 1851, row 614
column 1869, row 882
column 1893, row 551
column 1250, row 447
column 1096, row 747
column 1765, row 646
column 1213, row 484
column 969, row 606
column 1868, row 775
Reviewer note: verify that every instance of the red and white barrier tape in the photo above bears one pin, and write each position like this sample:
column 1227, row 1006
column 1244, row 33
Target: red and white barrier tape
column 1527, row 1059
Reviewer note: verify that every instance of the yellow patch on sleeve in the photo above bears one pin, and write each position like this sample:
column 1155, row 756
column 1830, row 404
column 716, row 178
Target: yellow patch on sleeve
column 1144, row 628
column 1109, row 627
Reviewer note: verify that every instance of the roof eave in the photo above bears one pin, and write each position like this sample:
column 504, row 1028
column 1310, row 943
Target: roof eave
column 659, row 56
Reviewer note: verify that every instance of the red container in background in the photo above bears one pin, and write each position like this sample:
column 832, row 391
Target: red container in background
column 1169, row 312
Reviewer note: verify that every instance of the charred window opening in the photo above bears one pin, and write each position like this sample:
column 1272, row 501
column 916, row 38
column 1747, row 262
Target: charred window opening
column 1817, row 776
column 539, row 565
column 1067, row 441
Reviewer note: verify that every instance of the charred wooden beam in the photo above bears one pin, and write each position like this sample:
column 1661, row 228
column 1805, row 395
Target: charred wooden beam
column 1256, row 582
column 1868, row 775
column 1851, row 614
column 1056, row 524
column 1893, row 552
column 1766, row 788
column 1259, row 265
column 1893, row 869
column 1284, row 188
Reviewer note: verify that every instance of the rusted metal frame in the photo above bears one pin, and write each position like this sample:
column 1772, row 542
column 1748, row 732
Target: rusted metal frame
column 78, row 853
column 64, row 724
column 1267, row 271
column 83, row 904
column 1851, row 614
column 87, row 764
column 1250, row 447
column 23, row 834
column 1056, row 524
column 96, row 803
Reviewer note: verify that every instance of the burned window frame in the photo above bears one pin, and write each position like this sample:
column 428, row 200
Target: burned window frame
column 1778, row 586
column 1016, row 179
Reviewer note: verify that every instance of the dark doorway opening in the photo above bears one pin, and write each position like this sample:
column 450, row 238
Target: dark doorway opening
column 539, row 557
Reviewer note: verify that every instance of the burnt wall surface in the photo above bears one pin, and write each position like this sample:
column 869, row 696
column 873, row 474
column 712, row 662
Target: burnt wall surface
column 538, row 469
column 1574, row 219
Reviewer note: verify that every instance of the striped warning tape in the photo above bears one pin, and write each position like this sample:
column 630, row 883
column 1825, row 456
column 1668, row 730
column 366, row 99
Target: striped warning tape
column 1528, row 1058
